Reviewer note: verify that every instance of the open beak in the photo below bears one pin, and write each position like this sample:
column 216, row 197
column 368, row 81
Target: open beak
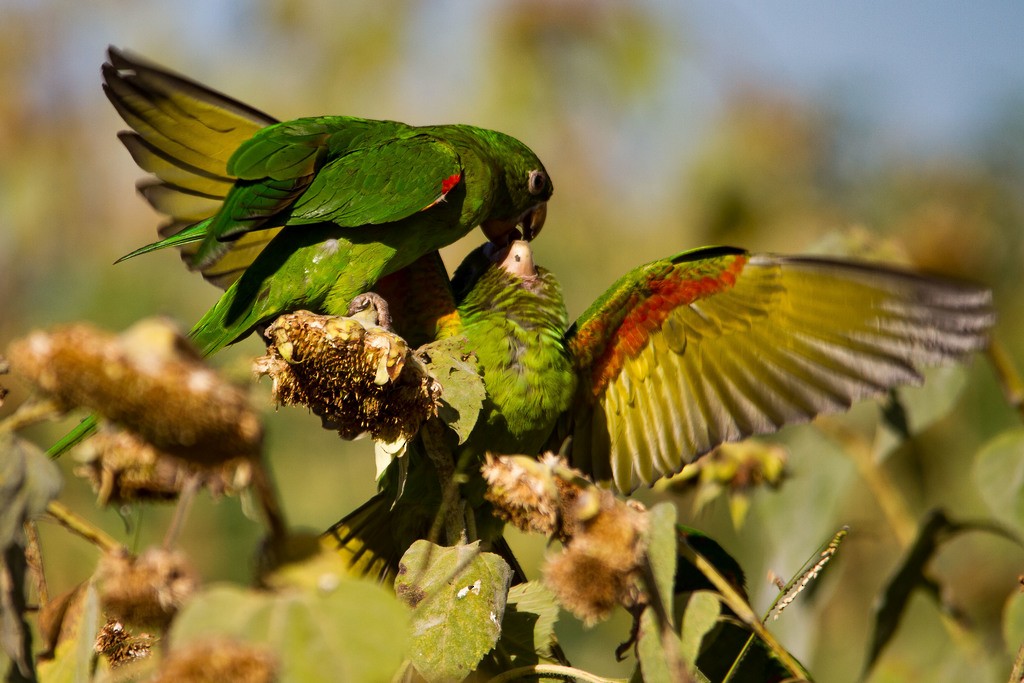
column 502, row 232
column 533, row 220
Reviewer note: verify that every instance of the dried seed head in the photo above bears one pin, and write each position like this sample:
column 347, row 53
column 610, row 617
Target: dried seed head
column 586, row 586
column 523, row 492
column 119, row 646
column 148, row 589
column 150, row 381
column 123, row 468
column 603, row 537
column 218, row 661
column 359, row 378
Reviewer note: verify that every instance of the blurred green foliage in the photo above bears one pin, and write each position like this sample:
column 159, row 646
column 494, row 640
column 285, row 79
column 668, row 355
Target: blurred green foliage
column 594, row 88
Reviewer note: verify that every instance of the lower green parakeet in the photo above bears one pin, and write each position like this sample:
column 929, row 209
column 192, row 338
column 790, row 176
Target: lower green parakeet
column 688, row 352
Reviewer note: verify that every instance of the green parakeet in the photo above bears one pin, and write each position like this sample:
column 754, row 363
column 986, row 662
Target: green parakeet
column 312, row 212
column 309, row 213
column 716, row 344
column 688, row 352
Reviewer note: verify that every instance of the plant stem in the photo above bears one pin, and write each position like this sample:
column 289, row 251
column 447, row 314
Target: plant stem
column 897, row 512
column 1017, row 675
column 76, row 525
column 743, row 610
column 34, row 558
column 887, row 493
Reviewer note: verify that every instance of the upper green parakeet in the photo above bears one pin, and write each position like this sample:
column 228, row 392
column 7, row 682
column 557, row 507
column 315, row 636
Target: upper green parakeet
column 312, row 212
column 307, row 214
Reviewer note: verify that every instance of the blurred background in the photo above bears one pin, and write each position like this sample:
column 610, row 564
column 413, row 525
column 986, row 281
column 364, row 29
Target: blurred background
column 892, row 130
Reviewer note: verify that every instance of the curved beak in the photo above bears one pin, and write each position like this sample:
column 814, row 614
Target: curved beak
column 501, row 232
column 533, row 220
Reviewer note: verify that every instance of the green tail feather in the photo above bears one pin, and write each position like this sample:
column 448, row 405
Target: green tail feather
column 365, row 540
column 190, row 235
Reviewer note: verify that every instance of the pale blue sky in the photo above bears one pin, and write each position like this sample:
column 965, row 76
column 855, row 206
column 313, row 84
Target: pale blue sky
column 929, row 69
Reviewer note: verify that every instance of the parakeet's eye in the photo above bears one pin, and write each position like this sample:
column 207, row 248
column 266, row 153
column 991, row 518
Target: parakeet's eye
column 536, row 182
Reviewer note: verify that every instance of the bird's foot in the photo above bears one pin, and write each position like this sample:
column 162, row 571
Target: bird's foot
column 372, row 308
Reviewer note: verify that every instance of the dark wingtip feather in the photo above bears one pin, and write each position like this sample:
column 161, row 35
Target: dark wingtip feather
column 148, row 77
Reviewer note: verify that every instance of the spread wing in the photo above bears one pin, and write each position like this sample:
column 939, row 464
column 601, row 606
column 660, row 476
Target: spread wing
column 715, row 345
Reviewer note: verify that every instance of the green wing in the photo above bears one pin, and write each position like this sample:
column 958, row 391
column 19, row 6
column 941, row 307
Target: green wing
column 380, row 184
column 715, row 345
column 350, row 172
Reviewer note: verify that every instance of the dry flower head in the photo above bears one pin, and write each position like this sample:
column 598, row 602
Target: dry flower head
column 149, row 380
column 147, row 589
column 218, row 661
column 358, row 377
column 604, row 538
column 123, row 468
column 121, row 647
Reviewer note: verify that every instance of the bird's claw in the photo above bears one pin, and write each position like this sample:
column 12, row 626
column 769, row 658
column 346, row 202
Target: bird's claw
column 371, row 307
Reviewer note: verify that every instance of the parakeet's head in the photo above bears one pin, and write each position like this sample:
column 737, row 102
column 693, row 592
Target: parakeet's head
column 515, row 258
column 521, row 201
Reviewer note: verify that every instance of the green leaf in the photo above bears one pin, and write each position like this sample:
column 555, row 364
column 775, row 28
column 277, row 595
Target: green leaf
column 658, row 646
column 349, row 631
column 74, row 654
column 932, row 401
column 1013, row 621
column 702, row 611
column 910, row 410
column 662, row 550
column 999, row 476
column 462, row 388
column 458, row 596
column 528, row 629
column 28, row 482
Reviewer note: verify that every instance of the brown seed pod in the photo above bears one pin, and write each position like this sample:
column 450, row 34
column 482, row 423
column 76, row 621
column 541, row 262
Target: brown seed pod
column 121, row 647
column 149, row 380
column 123, row 468
column 148, row 589
column 603, row 537
column 358, row 377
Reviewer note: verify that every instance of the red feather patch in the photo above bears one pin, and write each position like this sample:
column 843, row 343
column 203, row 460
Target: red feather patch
column 446, row 186
column 448, row 183
column 646, row 315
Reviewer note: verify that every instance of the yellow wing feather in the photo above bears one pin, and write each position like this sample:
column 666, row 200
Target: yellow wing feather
column 791, row 339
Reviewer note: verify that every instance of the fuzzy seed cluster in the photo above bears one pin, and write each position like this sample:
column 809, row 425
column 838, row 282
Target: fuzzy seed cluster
column 149, row 380
column 603, row 538
column 358, row 377
column 145, row 590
